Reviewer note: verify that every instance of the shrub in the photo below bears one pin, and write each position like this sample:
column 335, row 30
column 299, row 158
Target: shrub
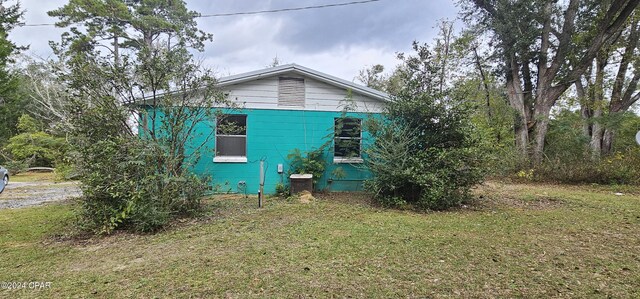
column 619, row 168
column 424, row 155
column 16, row 167
column 282, row 190
column 124, row 188
column 313, row 162
column 425, row 152
column 34, row 147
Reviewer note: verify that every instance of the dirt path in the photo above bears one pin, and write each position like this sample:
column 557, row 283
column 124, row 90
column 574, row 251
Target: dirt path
column 22, row 194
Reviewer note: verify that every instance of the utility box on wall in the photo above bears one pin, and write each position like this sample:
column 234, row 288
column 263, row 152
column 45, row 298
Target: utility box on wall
column 301, row 182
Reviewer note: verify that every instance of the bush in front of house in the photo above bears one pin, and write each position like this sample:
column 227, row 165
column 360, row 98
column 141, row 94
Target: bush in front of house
column 125, row 186
column 426, row 152
column 424, row 155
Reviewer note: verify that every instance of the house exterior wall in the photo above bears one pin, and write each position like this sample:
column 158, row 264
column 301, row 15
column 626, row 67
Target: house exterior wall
column 274, row 131
column 271, row 136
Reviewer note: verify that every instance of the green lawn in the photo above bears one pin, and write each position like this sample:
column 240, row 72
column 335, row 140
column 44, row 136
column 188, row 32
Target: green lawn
column 516, row 241
column 30, row 177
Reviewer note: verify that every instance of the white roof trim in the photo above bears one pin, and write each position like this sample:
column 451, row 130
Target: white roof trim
column 301, row 70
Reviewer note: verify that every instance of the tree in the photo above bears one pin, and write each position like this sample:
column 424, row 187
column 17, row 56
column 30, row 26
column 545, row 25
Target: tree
column 136, row 181
column 610, row 87
column 46, row 96
column 544, row 47
column 33, row 147
column 10, row 100
column 424, row 151
column 131, row 25
column 446, row 62
column 373, row 77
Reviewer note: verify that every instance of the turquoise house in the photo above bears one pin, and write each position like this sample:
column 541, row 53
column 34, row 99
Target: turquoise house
column 282, row 109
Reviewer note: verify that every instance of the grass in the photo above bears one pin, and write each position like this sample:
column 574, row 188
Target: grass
column 30, row 177
column 516, row 241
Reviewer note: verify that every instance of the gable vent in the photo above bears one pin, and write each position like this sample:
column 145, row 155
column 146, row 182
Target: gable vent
column 291, row 92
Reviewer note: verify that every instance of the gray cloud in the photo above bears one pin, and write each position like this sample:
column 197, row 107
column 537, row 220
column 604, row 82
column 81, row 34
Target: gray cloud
column 337, row 40
column 389, row 24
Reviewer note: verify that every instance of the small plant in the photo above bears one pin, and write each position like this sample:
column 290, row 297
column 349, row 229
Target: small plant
column 282, row 190
column 313, row 162
column 525, row 175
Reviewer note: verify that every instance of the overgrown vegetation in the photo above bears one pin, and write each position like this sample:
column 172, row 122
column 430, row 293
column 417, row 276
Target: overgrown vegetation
column 123, row 187
column 561, row 110
column 133, row 113
column 312, row 162
column 570, row 160
column 33, row 147
column 425, row 152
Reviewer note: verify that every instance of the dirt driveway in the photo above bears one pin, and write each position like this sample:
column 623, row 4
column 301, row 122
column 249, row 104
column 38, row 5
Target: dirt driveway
column 26, row 194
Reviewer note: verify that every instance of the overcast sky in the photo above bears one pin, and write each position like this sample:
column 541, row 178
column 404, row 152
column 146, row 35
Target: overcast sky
column 336, row 40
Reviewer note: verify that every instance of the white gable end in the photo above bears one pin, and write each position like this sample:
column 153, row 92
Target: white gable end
column 271, row 92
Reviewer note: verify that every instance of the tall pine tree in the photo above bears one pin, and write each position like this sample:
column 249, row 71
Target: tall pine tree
column 10, row 101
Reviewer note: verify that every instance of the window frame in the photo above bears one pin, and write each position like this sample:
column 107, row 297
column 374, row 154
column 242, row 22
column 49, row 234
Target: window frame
column 228, row 158
column 344, row 159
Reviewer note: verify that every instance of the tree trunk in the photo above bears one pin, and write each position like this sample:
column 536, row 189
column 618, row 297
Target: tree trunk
column 554, row 73
column 485, row 84
column 585, row 111
column 597, row 102
column 597, row 132
column 516, row 100
column 607, row 142
column 540, row 129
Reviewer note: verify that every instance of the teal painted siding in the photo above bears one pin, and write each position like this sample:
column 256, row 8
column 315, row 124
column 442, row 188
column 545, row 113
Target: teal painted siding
column 271, row 136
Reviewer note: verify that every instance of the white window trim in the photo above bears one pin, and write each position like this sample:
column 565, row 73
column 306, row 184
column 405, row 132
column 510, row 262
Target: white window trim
column 352, row 160
column 230, row 159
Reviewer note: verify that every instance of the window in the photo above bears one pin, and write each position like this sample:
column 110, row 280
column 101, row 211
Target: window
column 231, row 138
column 348, row 140
column 291, row 92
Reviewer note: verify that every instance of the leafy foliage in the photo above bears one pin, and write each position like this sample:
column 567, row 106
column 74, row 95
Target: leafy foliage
column 135, row 181
column 424, row 153
column 568, row 159
column 124, row 187
column 554, row 46
column 282, row 190
column 313, row 162
column 11, row 101
column 33, row 147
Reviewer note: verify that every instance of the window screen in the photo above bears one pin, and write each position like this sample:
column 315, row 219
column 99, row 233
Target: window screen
column 291, row 92
column 348, row 136
column 231, row 135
